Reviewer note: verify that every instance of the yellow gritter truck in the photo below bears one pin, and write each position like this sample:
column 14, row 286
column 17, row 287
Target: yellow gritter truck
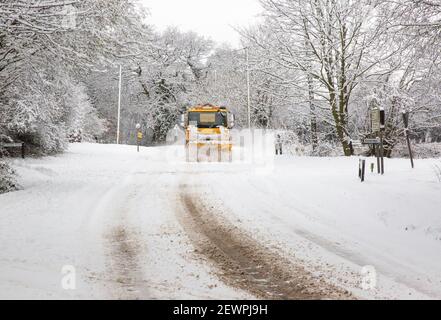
column 208, row 133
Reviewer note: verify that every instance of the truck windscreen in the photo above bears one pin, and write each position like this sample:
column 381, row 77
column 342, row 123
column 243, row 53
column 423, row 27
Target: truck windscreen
column 207, row 119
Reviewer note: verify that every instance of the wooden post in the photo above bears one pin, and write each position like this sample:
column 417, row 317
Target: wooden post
column 406, row 133
column 377, row 154
column 23, row 150
column 410, row 151
column 382, row 130
column 362, row 169
column 382, row 152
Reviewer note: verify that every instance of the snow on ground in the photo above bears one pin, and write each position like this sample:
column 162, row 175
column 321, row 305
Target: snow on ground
column 316, row 209
column 104, row 210
column 112, row 214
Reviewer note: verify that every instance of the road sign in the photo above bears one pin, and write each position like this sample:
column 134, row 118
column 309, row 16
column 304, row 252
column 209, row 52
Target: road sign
column 376, row 119
column 372, row 141
column 11, row 145
column 15, row 145
column 139, row 140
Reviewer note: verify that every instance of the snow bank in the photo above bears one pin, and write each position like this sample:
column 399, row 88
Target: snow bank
column 317, row 209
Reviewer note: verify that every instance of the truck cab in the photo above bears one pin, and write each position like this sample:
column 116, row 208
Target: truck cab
column 208, row 132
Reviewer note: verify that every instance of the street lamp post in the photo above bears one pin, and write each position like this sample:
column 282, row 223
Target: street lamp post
column 248, row 88
column 247, row 53
column 119, row 106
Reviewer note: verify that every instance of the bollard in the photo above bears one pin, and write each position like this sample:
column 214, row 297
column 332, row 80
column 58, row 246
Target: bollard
column 361, row 169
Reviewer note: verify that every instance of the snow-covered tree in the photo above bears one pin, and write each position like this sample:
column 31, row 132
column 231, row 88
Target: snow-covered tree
column 328, row 43
column 47, row 48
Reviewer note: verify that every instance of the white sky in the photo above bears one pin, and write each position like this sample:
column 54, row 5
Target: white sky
column 210, row 18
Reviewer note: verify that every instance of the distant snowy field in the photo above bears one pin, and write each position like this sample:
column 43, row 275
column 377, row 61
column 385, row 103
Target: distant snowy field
column 312, row 209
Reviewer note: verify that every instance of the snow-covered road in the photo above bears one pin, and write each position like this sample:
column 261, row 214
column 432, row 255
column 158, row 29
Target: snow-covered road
column 150, row 226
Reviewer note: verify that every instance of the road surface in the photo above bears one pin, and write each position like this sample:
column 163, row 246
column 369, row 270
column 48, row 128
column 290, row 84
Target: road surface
column 150, row 226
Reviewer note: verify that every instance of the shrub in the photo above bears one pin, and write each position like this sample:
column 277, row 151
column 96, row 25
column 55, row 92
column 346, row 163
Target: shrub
column 7, row 178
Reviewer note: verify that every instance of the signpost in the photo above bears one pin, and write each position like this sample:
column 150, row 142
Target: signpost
column 378, row 125
column 139, row 136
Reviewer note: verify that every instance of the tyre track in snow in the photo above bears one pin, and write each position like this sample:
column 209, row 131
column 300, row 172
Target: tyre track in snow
column 123, row 244
column 123, row 263
column 243, row 262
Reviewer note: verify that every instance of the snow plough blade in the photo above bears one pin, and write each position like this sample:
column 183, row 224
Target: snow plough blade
column 203, row 152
